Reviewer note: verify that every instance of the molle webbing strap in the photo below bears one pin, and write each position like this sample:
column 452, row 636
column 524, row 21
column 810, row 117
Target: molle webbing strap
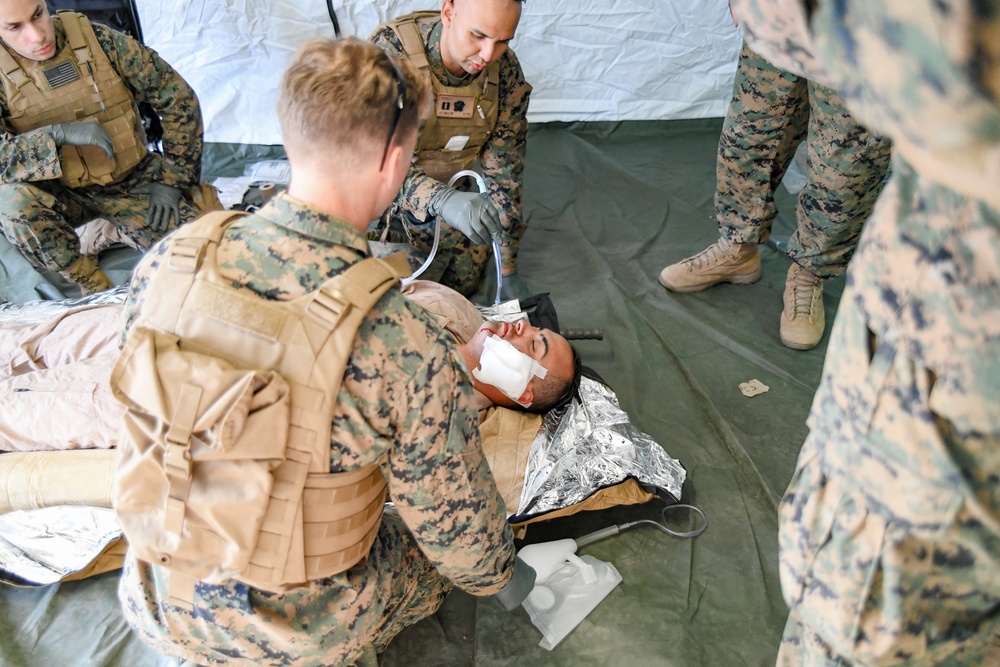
column 341, row 516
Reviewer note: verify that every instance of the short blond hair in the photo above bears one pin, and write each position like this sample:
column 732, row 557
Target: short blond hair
column 339, row 97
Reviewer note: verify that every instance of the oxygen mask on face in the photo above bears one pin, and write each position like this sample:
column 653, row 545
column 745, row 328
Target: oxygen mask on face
column 506, row 368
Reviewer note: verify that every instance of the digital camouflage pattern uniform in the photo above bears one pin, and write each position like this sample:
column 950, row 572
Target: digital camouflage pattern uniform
column 890, row 529
column 405, row 403
column 38, row 214
column 772, row 111
column 458, row 263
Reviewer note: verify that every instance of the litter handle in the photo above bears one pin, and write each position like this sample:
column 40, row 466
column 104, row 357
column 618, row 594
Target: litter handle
column 595, row 333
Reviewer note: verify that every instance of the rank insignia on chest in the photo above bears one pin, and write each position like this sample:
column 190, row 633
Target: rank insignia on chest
column 61, row 74
column 455, row 106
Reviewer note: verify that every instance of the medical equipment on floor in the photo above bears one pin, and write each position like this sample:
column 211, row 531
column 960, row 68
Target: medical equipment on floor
column 568, row 587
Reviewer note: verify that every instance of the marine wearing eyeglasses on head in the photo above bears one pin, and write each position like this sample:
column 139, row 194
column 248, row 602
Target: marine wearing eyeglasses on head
column 404, row 408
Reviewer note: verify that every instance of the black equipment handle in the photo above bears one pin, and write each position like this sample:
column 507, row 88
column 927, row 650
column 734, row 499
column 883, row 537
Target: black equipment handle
column 595, row 333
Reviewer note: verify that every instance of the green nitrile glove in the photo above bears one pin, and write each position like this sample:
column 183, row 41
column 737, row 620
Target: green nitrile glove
column 517, row 589
column 164, row 203
column 469, row 212
column 514, row 287
column 89, row 133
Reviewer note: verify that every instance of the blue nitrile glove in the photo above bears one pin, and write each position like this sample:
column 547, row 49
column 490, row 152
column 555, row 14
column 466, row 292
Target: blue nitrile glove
column 517, row 589
column 89, row 133
column 514, row 287
column 471, row 213
column 164, row 202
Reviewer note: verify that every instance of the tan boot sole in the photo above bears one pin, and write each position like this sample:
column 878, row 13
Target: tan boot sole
column 743, row 279
column 796, row 345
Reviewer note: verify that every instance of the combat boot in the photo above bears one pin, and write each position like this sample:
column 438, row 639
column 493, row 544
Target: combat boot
column 86, row 273
column 721, row 262
column 803, row 318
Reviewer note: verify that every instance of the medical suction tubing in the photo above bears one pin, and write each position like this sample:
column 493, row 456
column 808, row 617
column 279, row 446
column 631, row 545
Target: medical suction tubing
column 437, row 235
column 590, row 538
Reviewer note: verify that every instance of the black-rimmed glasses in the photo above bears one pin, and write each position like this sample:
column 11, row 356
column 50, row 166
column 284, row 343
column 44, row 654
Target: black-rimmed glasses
column 400, row 98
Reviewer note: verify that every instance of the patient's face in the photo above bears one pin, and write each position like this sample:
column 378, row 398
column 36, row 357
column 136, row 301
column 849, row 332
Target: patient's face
column 548, row 348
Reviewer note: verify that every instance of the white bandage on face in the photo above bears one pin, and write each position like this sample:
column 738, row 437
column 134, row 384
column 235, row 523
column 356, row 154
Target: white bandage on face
column 507, row 369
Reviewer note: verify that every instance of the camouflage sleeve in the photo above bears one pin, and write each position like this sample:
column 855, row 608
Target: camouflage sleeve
column 32, row 156
column 418, row 188
column 440, row 481
column 502, row 157
column 141, row 276
column 155, row 82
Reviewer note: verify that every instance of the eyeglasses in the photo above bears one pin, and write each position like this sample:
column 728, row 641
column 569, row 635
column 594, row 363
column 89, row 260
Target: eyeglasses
column 400, row 97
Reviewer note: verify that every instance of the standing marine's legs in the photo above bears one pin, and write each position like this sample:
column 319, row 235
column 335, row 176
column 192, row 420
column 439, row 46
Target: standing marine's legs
column 889, row 532
column 846, row 167
column 765, row 122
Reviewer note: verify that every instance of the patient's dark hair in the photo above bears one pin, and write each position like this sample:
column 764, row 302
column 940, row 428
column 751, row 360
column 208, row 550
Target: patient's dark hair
column 553, row 395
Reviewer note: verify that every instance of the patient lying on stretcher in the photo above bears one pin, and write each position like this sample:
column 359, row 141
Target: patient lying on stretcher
column 54, row 372
column 55, row 361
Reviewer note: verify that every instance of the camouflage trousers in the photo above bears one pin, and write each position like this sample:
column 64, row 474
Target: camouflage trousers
column 40, row 218
column 458, row 263
column 889, row 532
column 771, row 113
column 328, row 623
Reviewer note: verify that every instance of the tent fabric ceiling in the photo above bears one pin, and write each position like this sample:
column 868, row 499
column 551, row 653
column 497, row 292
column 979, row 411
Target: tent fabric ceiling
column 587, row 60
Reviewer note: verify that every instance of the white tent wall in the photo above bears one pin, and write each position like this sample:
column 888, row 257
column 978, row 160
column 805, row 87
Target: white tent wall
column 587, row 60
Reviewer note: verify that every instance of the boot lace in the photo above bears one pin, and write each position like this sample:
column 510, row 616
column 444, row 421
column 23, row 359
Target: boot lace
column 804, row 285
column 713, row 254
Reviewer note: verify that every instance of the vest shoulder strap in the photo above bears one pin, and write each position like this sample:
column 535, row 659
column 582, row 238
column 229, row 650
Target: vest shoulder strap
column 409, row 34
column 12, row 69
column 73, row 24
column 337, row 308
column 188, row 247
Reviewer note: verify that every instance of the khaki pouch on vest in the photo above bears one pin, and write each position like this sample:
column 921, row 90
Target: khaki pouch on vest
column 86, row 164
column 210, row 444
column 224, row 469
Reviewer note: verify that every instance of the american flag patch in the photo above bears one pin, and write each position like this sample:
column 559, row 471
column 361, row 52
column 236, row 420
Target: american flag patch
column 60, row 74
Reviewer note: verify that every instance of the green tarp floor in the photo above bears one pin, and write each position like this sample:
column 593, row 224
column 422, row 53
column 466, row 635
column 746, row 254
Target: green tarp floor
column 607, row 205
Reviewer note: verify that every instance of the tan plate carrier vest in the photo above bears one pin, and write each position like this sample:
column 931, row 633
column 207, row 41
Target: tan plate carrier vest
column 438, row 130
column 76, row 84
column 224, row 468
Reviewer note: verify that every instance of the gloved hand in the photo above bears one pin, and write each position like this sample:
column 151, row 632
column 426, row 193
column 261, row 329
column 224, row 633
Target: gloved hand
column 517, row 589
column 89, row 133
column 164, row 203
column 514, row 287
column 471, row 213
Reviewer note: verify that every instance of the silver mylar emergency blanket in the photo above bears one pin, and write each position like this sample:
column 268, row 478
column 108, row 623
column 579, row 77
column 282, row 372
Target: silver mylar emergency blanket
column 41, row 546
column 590, row 445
